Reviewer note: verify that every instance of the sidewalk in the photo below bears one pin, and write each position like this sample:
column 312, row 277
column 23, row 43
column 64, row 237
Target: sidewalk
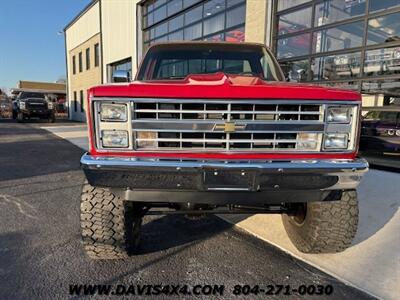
column 372, row 264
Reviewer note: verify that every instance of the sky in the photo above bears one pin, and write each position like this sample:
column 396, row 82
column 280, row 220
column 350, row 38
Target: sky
column 31, row 45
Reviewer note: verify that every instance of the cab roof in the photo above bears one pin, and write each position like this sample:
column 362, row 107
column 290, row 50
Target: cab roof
column 196, row 45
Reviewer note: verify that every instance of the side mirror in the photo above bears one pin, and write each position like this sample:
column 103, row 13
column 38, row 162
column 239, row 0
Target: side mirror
column 120, row 76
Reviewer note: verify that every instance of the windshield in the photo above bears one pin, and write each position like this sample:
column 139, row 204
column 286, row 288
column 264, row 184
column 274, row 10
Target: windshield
column 177, row 63
column 25, row 95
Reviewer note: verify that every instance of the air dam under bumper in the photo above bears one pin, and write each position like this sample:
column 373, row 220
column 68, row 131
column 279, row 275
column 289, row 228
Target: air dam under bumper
column 223, row 182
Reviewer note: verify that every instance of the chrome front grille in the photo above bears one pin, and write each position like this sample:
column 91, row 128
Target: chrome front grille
column 237, row 125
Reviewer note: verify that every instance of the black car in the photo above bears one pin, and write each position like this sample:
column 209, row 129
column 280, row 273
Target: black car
column 380, row 131
column 33, row 105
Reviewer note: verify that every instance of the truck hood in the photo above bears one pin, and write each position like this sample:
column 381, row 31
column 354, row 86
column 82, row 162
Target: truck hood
column 222, row 86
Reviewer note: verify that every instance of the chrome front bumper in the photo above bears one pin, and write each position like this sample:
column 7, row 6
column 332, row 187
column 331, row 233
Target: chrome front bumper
column 284, row 180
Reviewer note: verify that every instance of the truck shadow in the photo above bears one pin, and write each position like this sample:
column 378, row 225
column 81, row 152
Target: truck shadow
column 169, row 231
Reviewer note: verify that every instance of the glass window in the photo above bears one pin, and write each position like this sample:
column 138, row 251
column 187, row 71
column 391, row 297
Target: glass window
column 386, row 116
column 160, row 14
column 82, row 101
column 161, row 29
column 124, row 65
column 236, row 16
column 375, row 5
column 235, row 35
column 80, row 62
column 146, row 35
column 296, row 71
column 384, row 29
column 341, row 37
column 96, row 55
column 213, row 7
column 87, row 58
column 347, row 85
column 382, row 86
column 336, row 66
column 75, row 102
column 295, row 21
column 214, row 24
column 73, row 64
column 294, row 46
column 175, row 23
column 208, row 21
column 148, row 20
column 331, row 11
column 193, row 32
column 215, row 38
column 384, row 61
column 174, row 64
column 193, row 15
column 174, row 6
column 187, row 3
column 231, row 3
column 176, row 36
column 284, row 4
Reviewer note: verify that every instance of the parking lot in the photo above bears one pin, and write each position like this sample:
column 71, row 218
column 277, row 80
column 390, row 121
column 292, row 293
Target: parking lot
column 371, row 264
column 41, row 255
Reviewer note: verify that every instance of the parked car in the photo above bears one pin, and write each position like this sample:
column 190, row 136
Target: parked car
column 380, row 131
column 33, row 105
column 5, row 109
column 214, row 128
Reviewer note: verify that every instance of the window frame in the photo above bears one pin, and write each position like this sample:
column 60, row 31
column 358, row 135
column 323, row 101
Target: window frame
column 82, row 99
column 363, row 48
column 148, row 31
column 80, row 62
column 75, row 101
column 74, row 64
column 96, row 54
column 87, row 56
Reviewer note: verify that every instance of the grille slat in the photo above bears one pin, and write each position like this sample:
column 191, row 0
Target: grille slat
column 225, row 126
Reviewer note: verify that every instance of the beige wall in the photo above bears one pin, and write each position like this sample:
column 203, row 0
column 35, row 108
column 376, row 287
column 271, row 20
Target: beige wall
column 86, row 26
column 256, row 20
column 81, row 81
column 118, row 32
column 82, row 34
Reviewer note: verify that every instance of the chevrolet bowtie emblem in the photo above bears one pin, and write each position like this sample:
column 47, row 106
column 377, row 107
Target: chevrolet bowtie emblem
column 229, row 127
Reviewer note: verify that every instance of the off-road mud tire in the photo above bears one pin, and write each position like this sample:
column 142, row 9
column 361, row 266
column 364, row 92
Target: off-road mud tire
column 110, row 226
column 326, row 227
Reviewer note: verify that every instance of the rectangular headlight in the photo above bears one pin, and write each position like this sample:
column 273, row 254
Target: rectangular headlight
column 114, row 138
column 339, row 114
column 113, row 112
column 336, row 141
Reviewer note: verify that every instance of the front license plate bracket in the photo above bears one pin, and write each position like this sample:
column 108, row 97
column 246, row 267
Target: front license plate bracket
column 229, row 180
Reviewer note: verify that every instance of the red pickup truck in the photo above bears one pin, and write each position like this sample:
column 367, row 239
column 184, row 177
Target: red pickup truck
column 214, row 128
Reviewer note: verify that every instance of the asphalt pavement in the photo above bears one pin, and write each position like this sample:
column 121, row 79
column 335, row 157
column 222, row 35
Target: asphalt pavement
column 41, row 254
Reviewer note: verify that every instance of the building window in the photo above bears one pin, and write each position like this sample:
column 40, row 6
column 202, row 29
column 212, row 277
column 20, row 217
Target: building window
column 384, row 29
column 73, row 65
column 96, row 55
column 80, row 62
column 351, row 44
column 124, row 65
column 172, row 20
column 75, row 102
column 87, row 58
column 82, row 101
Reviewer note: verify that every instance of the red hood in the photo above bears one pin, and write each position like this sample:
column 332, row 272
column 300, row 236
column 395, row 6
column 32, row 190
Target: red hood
column 221, row 86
